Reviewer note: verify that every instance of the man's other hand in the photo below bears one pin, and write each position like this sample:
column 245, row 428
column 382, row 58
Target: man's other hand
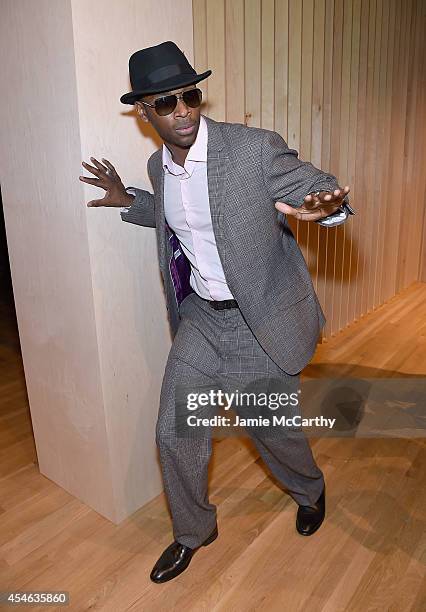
column 315, row 206
column 108, row 179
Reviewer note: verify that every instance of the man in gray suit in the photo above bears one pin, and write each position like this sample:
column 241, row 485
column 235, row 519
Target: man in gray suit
column 242, row 307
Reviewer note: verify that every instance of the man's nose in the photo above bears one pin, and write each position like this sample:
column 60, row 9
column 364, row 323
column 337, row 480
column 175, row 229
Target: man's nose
column 181, row 108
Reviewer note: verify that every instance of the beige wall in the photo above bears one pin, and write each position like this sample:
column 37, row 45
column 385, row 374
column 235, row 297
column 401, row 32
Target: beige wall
column 90, row 306
column 343, row 81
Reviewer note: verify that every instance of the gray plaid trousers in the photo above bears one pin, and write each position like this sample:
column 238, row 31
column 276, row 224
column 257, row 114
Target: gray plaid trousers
column 216, row 349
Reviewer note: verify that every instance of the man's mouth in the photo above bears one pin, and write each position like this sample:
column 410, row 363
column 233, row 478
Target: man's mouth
column 186, row 129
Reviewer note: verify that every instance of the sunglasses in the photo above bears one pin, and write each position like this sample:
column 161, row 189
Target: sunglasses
column 167, row 104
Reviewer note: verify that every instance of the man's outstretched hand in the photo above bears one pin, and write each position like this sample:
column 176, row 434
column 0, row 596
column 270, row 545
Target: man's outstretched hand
column 315, row 207
column 108, row 179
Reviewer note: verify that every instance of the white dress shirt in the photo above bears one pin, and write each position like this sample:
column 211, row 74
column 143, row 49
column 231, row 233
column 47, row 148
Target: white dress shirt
column 187, row 211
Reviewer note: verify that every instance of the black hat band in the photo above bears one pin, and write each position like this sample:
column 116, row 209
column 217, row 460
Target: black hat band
column 166, row 72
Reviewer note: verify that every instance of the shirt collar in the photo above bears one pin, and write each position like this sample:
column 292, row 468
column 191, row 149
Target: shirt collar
column 197, row 151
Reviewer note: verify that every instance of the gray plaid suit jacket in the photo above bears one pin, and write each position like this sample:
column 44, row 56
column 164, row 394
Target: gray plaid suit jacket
column 248, row 170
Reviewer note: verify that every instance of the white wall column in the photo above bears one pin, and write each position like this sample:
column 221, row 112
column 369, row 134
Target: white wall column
column 88, row 293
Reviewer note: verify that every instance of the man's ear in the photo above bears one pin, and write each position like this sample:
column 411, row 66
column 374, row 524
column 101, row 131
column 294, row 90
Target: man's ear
column 140, row 109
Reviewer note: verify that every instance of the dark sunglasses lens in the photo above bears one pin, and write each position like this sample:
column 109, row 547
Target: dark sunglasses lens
column 166, row 105
column 192, row 97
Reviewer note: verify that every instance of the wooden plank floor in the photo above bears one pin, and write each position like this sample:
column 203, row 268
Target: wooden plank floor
column 370, row 554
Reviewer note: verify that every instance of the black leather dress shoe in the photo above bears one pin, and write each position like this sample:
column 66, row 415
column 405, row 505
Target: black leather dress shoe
column 309, row 518
column 175, row 559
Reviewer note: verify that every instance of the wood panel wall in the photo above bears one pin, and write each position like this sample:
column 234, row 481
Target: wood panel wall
column 343, row 81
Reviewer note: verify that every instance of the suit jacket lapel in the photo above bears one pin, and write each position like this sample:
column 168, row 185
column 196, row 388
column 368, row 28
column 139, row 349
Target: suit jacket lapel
column 217, row 159
column 160, row 222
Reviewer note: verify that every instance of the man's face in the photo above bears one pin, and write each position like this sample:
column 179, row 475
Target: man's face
column 168, row 126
